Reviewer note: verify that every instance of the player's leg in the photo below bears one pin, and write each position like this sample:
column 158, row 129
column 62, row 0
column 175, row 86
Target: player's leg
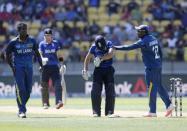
column 152, row 91
column 56, row 78
column 28, row 82
column 164, row 95
column 162, row 91
column 20, row 90
column 96, row 91
column 110, row 91
column 45, row 87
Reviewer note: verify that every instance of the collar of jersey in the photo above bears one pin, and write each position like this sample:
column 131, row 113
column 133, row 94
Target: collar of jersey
column 18, row 38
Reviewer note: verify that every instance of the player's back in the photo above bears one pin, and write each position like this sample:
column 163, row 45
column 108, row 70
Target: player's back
column 151, row 52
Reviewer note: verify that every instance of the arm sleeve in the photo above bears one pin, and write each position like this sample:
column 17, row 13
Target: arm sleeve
column 60, row 45
column 40, row 48
column 9, row 51
column 138, row 44
column 91, row 50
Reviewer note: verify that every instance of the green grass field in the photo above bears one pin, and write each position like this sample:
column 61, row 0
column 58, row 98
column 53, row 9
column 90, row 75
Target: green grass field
column 76, row 116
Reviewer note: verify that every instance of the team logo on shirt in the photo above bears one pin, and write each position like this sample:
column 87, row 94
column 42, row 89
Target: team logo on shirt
column 30, row 45
column 18, row 46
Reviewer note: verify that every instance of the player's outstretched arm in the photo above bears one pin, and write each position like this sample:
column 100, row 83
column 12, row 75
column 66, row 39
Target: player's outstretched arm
column 128, row 47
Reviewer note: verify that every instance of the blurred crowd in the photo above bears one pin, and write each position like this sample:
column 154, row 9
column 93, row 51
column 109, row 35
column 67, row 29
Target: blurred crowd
column 73, row 27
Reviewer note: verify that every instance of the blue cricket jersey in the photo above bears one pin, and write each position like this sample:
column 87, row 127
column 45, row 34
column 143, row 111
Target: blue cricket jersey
column 23, row 52
column 50, row 51
column 151, row 51
column 98, row 53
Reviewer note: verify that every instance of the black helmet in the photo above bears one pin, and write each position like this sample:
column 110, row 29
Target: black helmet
column 100, row 43
column 48, row 31
column 142, row 30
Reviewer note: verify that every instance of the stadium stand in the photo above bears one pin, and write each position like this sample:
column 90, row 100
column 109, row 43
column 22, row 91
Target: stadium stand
column 73, row 20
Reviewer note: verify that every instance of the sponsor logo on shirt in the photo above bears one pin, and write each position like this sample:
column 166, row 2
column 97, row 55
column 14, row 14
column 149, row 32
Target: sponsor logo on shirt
column 50, row 51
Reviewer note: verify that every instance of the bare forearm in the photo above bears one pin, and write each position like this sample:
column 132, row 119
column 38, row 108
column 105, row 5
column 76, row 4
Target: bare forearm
column 109, row 55
column 87, row 61
column 39, row 57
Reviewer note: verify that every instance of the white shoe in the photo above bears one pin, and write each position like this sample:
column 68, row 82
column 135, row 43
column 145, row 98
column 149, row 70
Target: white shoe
column 45, row 106
column 96, row 115
column 150, row 115
column 113, row 116
column 22, row 115
column 169, row 110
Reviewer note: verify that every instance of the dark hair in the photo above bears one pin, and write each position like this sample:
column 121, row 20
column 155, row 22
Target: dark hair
column 21, row 26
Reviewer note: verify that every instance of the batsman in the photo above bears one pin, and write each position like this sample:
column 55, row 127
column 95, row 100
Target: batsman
column 103, row 73
column 48, row 50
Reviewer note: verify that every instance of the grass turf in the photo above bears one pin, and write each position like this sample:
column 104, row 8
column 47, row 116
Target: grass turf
column 59, row 122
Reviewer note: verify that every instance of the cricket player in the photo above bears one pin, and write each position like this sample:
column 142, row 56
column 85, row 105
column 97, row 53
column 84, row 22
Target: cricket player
column 103, row 73
column 152, row 58
column 19, row 55
column 48, row 50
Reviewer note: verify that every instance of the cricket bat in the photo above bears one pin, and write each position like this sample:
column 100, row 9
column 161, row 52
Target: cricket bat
column 63, row 83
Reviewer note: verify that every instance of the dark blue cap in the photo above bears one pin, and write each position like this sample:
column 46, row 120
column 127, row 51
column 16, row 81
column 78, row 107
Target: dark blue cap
column 48, row 31
column 142, row 27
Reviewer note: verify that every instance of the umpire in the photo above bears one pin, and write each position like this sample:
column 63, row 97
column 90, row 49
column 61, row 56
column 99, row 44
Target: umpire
column 103, row 74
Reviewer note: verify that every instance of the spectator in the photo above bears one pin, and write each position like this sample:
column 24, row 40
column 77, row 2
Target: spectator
column 126, row 14
column 3, row 30
column 82, row 12
column 180, row 50
column 94, row 3
column 112, row 7
column 136, row 15
column 172, row 41
column 132, row 5
column 94, row 28
column 60, row 14
column 184, row 17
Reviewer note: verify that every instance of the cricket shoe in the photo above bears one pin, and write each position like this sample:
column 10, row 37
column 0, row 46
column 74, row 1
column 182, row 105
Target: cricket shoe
column 169, row 110
column 59, row 105
column 21, row 115
column 96, row 115
column 150, row 115
column 45, row 106
column 113, row 116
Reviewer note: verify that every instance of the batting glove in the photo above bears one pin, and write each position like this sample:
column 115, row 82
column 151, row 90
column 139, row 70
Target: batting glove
column 85, row 74
column 97, row 61
column 44, row 61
